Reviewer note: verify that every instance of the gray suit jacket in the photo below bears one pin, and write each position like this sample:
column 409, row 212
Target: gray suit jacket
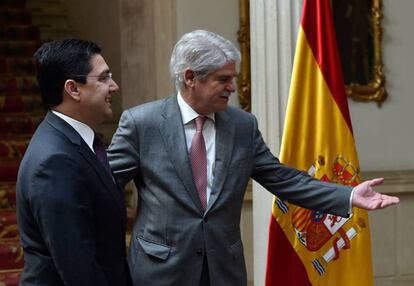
column 172, row 233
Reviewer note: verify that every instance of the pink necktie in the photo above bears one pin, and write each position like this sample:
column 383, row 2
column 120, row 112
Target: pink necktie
column 198, row 158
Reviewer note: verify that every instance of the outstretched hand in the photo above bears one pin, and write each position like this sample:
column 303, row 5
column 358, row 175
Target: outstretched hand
column 365, row 197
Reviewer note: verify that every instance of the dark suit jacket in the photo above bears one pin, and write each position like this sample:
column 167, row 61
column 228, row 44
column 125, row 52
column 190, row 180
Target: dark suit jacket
column 71, row 214
column 172, row 233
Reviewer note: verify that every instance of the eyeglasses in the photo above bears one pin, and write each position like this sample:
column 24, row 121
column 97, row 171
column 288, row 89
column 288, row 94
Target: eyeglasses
column 103, row 77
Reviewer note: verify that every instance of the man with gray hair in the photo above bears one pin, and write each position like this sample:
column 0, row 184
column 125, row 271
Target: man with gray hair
column 191, row 157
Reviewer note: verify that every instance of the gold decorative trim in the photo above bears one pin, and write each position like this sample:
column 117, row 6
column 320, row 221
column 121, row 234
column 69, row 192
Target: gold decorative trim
column 374, row 90
column 13, row 270
column 243, row 79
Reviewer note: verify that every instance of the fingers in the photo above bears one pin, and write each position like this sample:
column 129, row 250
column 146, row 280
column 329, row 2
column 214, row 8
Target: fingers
column 376, row 182
column 388, row 201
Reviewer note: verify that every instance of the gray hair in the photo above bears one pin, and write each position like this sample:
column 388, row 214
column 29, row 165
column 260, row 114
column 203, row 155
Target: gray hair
column 203, row 52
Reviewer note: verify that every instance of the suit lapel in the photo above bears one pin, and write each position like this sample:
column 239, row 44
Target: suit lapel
column 224, row 148
column 172, row 132
column 107, row 181
column 61, row 126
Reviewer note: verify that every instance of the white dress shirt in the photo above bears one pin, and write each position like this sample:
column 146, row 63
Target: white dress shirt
column 209, row 133
column 84, row 130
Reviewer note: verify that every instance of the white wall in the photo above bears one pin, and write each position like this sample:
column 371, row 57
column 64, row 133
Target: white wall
column 385, row 136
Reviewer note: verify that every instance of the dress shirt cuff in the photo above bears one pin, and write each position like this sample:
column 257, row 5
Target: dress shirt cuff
column 350, row 202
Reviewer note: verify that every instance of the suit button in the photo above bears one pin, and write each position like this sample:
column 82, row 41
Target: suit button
column 205, row 219
column 199, row 251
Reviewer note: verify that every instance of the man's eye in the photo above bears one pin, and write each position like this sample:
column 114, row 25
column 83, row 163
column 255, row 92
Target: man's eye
column 105, row 77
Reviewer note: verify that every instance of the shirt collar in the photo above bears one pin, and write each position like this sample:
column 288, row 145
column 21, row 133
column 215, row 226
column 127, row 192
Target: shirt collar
column 84, row 130
column 187, row 113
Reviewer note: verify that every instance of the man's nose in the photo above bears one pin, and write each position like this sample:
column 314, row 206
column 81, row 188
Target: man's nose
column 231, row 86
column 114, row 86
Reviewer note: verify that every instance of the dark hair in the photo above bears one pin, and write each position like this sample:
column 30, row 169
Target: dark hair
column 60, row 60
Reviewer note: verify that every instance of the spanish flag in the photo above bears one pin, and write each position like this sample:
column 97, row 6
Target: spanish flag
column 308, row 247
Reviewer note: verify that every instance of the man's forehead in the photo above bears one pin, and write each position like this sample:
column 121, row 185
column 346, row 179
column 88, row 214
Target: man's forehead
column 228, row 69
column 98, row 64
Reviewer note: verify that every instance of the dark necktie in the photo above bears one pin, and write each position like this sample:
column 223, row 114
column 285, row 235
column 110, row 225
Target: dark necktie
column 100, row 152
column 198, row 158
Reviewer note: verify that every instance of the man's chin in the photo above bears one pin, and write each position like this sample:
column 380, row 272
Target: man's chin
column 108, row 115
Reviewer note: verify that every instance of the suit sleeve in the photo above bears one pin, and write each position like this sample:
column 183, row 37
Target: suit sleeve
column 295, row 186
column 62, row 207
column 123, row 153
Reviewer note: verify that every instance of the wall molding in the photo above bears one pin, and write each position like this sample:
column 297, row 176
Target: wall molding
column 397, row 182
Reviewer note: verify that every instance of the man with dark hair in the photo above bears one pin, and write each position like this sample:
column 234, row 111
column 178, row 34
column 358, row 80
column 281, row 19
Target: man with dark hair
column 71, row 213
column 191, row 157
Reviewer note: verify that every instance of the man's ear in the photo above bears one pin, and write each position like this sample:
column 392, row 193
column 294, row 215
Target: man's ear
column 71, row 88
column 189, row 78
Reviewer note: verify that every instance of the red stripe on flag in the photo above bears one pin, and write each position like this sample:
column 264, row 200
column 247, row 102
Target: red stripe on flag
column 276, row 272
column 320, row 33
